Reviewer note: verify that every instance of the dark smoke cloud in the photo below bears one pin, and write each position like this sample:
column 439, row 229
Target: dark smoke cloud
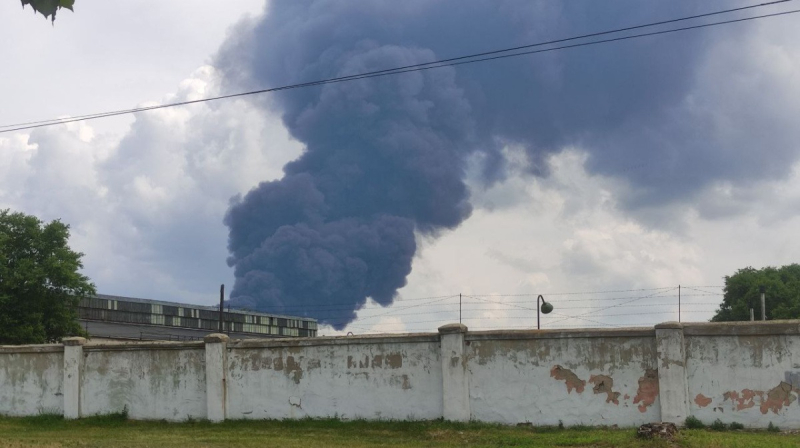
column 385, row 157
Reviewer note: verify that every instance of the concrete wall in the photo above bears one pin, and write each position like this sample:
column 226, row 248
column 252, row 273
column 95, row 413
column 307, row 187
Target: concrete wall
column 597, row 378
column 737, row 372
column 371, row 378
column 745, row 373
column 31, row 380
column 151, row 381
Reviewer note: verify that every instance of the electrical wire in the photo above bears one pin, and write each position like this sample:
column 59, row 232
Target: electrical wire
column 461, row 60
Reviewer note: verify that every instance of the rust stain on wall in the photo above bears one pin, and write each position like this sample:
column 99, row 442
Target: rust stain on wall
column 603, row 384
column 314, row 364
column 572, row 381
column 702, row 400
column 293, row 369
column 648, row 390
column 777, row 398
column 394, row 360
column 402, row 381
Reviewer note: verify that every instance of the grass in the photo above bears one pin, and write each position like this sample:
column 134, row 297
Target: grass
column 116, row 431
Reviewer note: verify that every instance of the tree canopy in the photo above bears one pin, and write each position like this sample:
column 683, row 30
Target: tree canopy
column 40, row 285
column 782, row 289
column 48, row 8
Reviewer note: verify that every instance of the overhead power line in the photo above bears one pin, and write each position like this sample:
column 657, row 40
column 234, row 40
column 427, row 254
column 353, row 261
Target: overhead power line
column 460, row 60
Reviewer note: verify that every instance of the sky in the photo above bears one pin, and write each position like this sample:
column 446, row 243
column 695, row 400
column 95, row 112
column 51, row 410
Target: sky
column 601, row 177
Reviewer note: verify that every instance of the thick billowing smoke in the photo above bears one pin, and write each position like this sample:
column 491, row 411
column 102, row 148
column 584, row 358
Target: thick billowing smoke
column 386, row 157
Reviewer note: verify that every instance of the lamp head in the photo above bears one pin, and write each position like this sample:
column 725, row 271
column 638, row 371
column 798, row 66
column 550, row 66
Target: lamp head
column 547, row 307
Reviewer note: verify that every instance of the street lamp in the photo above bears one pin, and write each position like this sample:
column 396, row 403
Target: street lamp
column 545, row 308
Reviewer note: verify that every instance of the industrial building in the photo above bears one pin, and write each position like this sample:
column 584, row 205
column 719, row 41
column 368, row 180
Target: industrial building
column 127, row 318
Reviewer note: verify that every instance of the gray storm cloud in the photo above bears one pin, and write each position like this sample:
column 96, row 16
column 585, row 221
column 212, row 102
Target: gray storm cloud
column 385, row 157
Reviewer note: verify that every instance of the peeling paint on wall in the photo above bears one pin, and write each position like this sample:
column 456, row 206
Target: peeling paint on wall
column 775, row 399
column 572, row 381
column 603, row 384
column 743, row 400
column 702, row 400
column 778, row 397
column 648, row 390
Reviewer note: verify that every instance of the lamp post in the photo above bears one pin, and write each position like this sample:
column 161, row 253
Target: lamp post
column 545, row 308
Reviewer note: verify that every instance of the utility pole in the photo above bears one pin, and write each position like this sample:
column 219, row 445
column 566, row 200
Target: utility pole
column 459, row 307
column 679, row 303
column 221, row 301
column 763, row 290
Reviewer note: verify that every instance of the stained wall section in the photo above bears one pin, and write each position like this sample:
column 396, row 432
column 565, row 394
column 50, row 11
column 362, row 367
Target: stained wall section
column 745, row 372
column 31, row 380
column 601, row 378
column 149, row 381
column 360, row 378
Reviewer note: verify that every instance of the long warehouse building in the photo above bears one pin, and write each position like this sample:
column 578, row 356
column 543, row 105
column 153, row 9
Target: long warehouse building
column 127, row 318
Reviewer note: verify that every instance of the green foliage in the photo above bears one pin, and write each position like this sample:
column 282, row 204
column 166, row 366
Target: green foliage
column 773, row 428
column 40, row 285
column 105, row 431
column 693, row 422
column 742, row 290
column 48, row 8
column 717, row 425
column 736, row 426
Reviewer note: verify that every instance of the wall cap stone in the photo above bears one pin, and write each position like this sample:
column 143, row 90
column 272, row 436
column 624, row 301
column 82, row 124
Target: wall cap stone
column 743, row 328
column 452, row 329
column 216, row 338
column 672, row 325
column 142, row 345
column 496, row 335
column 399, row 338
column 77, row 340
column 32, row 348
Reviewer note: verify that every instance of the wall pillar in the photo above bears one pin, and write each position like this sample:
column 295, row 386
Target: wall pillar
column 455, row 379
column 672, row 381
column 73, row 372
column 216, row 346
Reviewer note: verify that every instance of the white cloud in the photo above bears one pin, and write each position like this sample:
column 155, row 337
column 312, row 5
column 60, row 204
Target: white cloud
column 147, row 208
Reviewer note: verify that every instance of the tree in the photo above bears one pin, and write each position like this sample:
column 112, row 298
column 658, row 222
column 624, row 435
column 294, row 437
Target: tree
column 742, row 292
column 40, row 285
column 48, row 8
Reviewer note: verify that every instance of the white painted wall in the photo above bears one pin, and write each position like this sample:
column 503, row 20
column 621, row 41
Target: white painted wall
column 31, row 380
column 544, row 379
column 376, row 380
column 750, row 379
column 153, row 382
column 737, row 372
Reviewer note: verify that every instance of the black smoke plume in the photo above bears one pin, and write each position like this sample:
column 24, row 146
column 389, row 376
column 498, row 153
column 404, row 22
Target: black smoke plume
column 385, row 158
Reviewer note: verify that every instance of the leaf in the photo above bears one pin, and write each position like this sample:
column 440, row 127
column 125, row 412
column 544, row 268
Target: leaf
column 48, row 8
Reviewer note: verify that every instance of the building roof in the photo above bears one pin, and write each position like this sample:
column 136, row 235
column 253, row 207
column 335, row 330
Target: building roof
column 201, row 307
